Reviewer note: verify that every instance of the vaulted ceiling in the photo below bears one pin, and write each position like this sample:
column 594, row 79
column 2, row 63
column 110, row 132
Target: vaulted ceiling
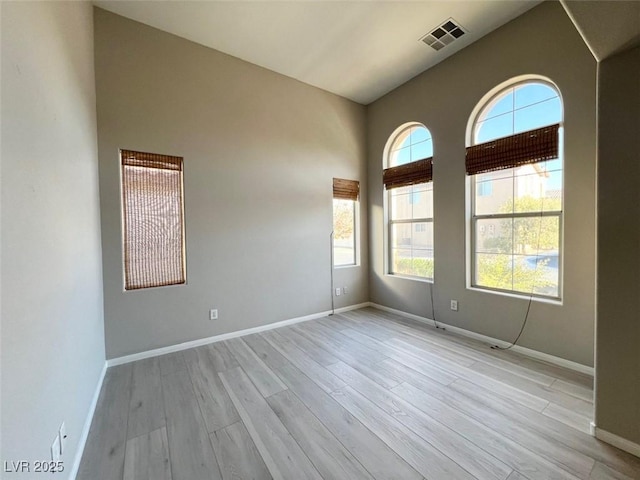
column 357, row 49
column 362, row 49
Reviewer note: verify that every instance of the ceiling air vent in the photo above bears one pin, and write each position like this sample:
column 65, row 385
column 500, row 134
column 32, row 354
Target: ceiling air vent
column 443, row 35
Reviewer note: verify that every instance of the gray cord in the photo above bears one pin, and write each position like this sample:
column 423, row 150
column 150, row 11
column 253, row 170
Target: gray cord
column 333, row 308
column 533, row 285
column 433, row 308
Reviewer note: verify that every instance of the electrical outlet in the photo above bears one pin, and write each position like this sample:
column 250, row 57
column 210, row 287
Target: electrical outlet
column 62, row 433
column 55, row 449
column 454, row 305
column 344, row 290
column 213, row 314
column 338, row 292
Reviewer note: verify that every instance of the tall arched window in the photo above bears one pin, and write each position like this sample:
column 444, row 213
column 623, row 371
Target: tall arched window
column 409, row 202
column 514, row 160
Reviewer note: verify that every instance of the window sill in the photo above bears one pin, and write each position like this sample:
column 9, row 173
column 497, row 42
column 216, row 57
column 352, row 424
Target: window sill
column 409, row 277
column 521, row 296
column 343, row 267
column 158, row 287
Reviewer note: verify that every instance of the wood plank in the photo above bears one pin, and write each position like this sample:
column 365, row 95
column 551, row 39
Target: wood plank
column 505, row 389
column 516, row 476
column 418, row 453
column 319, row 354
column 445, row 347
column 265, row 380
column 503, row 411
column 371, row 354
column 279, row 450
column 189, row 444
column 374, row 455
column 333, row 321
column 515, row 358
column 237, row 455
column 555, row 452
column 103, row 456
column 265, row 351
column 316, row 372
column 469, row 456
column 568, row 417
column 602, row 472
column 216, row 406
column 348, row 317
column 510, row 356
column 546, row 393
column 579, row 391
column 328, row 455
column 336, row 350
column 369, row 339
column 419, row 347
column 221, row 357
column 339, row 348
column 376, row 328
column 552, row 428
column 397, row 355
column 147, row 457
column 171, row 363
column 377, row 374
column 146, row 407
column 506, row 450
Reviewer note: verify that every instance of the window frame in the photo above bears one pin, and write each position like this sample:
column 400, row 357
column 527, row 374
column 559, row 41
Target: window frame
column 356, row 235
column 483, row 105
column 389, row 222
column 123, row 226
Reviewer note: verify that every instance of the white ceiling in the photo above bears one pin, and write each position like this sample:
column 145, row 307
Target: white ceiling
column 357, row 49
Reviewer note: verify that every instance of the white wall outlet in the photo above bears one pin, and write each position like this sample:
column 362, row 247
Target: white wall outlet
column 344, row 290
column 213, row 314
column 55, row 449
column 454, row 305
column 338, row 292
column 62, row 433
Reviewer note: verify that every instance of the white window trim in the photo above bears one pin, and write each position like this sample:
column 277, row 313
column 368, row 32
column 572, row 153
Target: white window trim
column 471, row 220
column 356, row 238
column 387, row 223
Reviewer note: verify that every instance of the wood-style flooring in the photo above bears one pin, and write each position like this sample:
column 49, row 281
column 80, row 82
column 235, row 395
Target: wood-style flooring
column 359, row 395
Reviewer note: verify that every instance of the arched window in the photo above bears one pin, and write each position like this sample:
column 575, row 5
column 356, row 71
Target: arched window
column 409, row 202
column 514, row 161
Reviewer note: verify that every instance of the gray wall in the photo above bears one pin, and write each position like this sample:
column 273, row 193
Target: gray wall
column 618, row 325
column 543, row 41
column 260, row 151
column 52, row 321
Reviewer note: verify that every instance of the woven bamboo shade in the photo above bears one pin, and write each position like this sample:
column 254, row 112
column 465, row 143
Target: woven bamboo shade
column 514, row 151
column 153, row 220
column 408, row 174
column 346, row 189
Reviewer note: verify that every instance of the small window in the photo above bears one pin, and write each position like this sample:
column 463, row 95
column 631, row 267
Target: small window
column 514, row 161
column 345, row 213
column 153, row 220
column 409, row 203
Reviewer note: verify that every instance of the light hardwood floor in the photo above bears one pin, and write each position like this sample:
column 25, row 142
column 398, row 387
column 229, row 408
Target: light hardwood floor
column 359, row 395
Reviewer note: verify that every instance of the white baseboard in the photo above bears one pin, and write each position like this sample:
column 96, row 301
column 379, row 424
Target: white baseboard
column 617, row 441
column 225, row 336
column 87, row 425
column 578, row 367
